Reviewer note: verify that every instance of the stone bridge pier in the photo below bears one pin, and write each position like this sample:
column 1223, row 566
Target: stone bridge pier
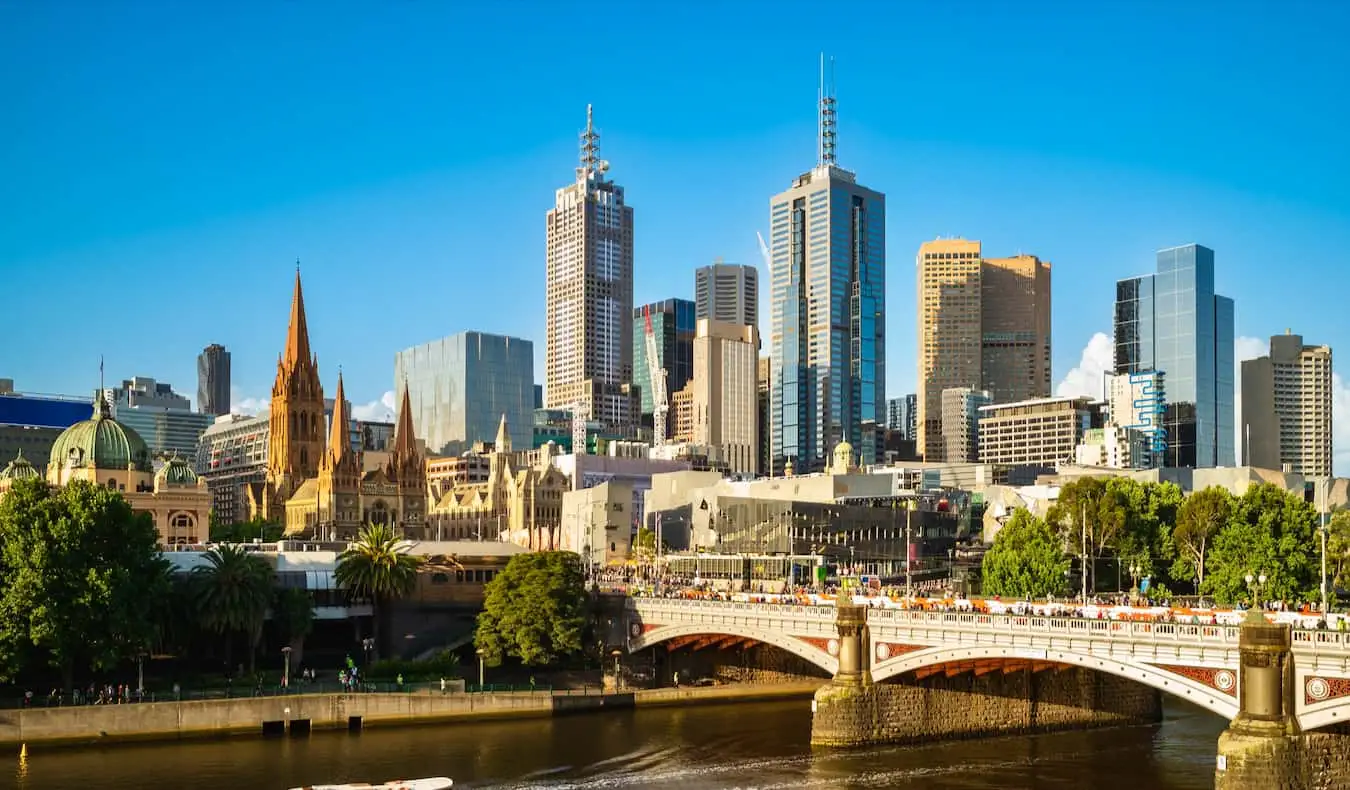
column 966, row 699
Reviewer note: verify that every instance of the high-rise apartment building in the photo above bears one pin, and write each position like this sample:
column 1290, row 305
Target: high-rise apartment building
column 902, row 415
column 961, row 423
column 726, row 358
column 213, row 380
column 673, row 327
column 460, row 386
column 984, row 324
column 589, row 299
column 1137, row 402
column 1286, row 408
column 828, row 295
column 727, row 292
column 1173, row 322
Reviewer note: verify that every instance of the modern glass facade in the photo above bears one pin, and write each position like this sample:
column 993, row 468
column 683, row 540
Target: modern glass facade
column 1173, row 322
column 674, row 325
column 167, row 432
column 828, row 297
column 460, row 386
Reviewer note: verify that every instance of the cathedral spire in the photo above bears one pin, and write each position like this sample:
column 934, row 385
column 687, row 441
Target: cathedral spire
column 297, row 334
column 405, row 441
column 339, row 441
column 503, row 443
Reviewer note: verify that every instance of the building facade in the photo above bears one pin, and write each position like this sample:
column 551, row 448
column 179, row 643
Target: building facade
column 1173, row 322
column 1287, row 408
column 589, row 295
column 902, row 415
column 984, row 324
column 461, row 385
column 764, row 422
column 213, row 380
column 1041, row 432
column 726, row 392
column 828, row 295
column 961, row 423
column 1137, row 402
column 30, row 423
column 673, row 328
column 160, row 416
column 232, row 458
column 727, row 292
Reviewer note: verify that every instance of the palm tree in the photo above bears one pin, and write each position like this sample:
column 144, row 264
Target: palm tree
column 233, row 593
column 377, row 566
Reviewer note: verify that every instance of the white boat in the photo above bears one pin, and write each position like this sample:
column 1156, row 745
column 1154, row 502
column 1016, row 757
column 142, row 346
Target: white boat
column 434, row 783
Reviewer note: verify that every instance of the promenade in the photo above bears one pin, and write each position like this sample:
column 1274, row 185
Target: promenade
column 299, row 714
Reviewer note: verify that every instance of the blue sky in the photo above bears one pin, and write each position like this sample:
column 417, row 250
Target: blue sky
column 164, row 164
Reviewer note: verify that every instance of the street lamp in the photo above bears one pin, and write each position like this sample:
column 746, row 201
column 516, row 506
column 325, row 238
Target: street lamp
column 368, row 644
column 617, row 676
column 140, row 674
column 1255, row 584
column 480, row 669
column 286, row 667
column 1322, row 528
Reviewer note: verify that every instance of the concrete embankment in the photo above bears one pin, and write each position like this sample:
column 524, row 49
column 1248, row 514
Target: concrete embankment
column 298, row 714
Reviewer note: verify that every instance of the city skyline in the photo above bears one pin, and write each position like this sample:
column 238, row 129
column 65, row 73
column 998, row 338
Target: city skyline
column 1127, row 193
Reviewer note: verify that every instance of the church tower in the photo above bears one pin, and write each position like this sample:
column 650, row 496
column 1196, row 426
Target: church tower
column 408, row 469
column 340, row 472
column 297, row 416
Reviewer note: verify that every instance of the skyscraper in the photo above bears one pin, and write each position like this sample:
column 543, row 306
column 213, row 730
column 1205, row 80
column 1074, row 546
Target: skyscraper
column 1286, row 408
column 828, row 292
column 1173, row 322
column 673, row 326
column 589, row 300
column 726, row 358
column 902, row 415
column 727, row 292
column 213, row 380
column 984, row 324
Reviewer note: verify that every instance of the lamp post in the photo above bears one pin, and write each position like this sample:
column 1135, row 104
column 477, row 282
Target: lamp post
column 140, row 674
column 1322, row 528
column 480, row 669
column 368, row 644
column 1255, row 583
column 909, row 550
column 286, row 667
column 618, row 677
column 1083, row 568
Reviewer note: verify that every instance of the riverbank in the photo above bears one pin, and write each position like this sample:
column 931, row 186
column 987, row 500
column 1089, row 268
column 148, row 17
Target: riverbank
column 299, row 714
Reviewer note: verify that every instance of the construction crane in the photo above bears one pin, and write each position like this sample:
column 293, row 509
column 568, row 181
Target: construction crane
column 657, row 374
column 764, row 251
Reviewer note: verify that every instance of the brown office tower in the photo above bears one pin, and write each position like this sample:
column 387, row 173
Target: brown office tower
column 984, row 324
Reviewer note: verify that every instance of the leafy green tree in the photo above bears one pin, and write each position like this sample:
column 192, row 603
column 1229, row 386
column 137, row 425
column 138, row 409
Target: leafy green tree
column 293, row 619
column 1272, row 532
column 1090, row 516
column 1027, row 560
column 535, row 610
column 245, row 531
column 1199, row 520
column 378, row 567
column 82, row 575
column 1338, row 548
column 233, row 591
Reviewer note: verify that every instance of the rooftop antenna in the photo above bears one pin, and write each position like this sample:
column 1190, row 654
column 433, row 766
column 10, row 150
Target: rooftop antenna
column 825, row 153
column 591, row 163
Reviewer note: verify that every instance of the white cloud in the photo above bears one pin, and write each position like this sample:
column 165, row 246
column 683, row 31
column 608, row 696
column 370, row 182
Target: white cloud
column 382, row 409
column 1088, row 378
column 249, row 406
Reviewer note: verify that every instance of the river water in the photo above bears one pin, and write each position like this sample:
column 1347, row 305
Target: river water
column 696, row 748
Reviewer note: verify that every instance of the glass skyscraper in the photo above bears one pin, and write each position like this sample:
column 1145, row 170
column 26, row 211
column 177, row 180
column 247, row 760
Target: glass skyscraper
column 828, row 296
column 1172, row 322
column 460, row 386
column 673, row 325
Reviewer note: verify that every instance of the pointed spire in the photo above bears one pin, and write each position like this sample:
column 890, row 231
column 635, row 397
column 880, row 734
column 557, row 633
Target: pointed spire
column 297, row 334
column 825, row 145
column 339, row 442
column 503, row 443
column 405, row 441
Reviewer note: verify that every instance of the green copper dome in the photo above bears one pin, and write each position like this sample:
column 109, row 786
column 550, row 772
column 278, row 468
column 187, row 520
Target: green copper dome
column 19, row 469
column 176, row 472
column 100, row 443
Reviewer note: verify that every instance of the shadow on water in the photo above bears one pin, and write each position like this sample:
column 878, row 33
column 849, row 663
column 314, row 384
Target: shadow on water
column 759, row 746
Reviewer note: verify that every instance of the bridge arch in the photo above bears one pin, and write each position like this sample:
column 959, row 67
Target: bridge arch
column 1169, row 683
column 791, row 644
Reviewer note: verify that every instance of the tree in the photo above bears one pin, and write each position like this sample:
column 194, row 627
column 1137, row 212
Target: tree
column 1270, row 531
column 1199, row 520
column 245, row 531
column 233, row 591
column 82, row 575
column 1088, row 512
column 378, row 566
column 1338, row 548
column 645, row 543
column 535, row 610
column 293, row 618
column 1027, row 560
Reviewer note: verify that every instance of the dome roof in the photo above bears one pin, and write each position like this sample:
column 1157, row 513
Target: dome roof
column 176, row 472
column 19, row 469
column 100, row 443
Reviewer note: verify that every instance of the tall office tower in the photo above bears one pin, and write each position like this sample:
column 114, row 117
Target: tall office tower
column 460, row 387
column 902, row 415
column 828, row 284
column 1173, row 322
column 213, row 380
column 727, row 292
column 1286, row 407
column 589, row 301
column 725, row 381
column 673, row 327
column 1138, row 401
column 764, row 423
column 984, row 324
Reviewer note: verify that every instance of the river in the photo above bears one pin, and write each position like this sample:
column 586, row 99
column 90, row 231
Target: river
column 747, row 746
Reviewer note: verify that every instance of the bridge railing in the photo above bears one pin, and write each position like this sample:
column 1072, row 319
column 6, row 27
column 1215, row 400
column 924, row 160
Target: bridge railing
column 1060, row 626
column 1338, row 641
column 785, row 610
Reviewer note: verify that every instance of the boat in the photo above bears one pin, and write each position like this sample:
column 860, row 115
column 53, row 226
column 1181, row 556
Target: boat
column 433, row 783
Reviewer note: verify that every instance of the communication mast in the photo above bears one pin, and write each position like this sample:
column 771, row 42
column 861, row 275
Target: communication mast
column 657, row 374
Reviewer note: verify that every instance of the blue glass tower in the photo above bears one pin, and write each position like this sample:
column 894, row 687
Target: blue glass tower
column 1173, row 322
column 828, row 297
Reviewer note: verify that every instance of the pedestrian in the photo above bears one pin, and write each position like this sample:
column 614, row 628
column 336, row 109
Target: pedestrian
column 400, row 681
column 442, row 685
